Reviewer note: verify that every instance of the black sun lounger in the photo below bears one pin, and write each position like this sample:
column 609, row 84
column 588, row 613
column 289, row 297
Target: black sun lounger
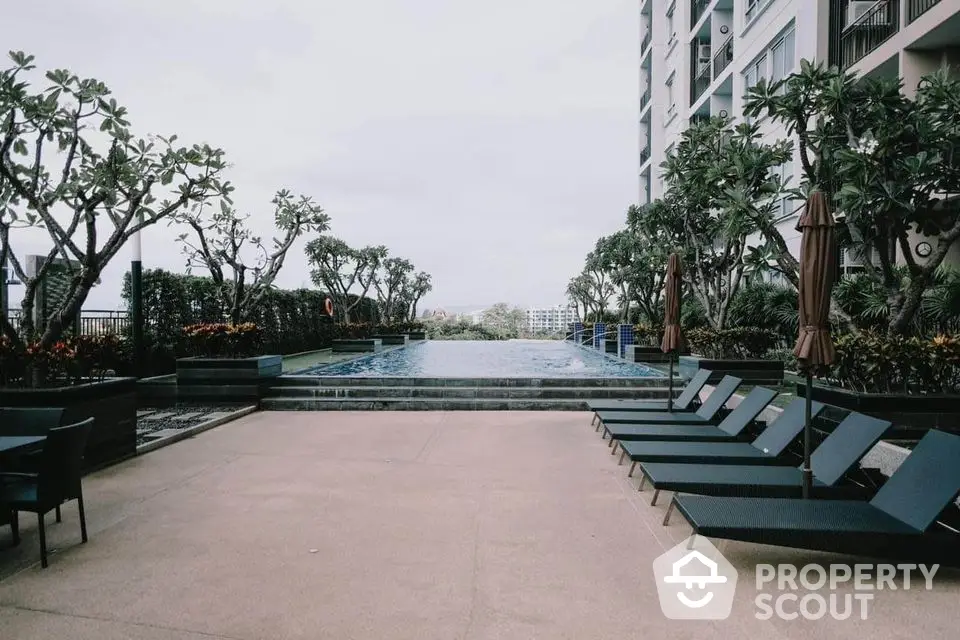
column 687, row 401
column 708, row 413
column 833, row 459
column 898, row 523
column 728, row 430
column 765, row 449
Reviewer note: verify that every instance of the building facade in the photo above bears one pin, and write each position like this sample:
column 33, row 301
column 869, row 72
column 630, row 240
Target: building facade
column 699, row 57
column 550, row 319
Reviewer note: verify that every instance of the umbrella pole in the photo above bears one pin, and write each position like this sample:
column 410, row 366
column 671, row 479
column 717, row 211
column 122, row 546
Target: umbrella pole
column 670, row 386
column 807, row 428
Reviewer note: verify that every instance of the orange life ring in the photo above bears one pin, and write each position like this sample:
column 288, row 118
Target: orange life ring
column 328, row 306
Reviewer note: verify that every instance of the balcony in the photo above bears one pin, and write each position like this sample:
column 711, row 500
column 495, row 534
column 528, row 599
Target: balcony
column 645, row 99
column 645, row 43
column 916, row 8
column 697, row 8
column 873, row 28
column 723, row 57
column 699, row 81
column 644, row 155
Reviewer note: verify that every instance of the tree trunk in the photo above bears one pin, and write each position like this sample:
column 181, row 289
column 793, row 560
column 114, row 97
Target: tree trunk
column 909, row 303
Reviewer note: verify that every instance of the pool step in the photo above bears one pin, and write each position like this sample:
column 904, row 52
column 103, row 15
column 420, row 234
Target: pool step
column 457, row 392
column 421, row 404
column 595, row 383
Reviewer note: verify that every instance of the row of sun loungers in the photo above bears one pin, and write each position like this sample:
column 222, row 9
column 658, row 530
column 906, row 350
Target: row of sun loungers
column 730, row 487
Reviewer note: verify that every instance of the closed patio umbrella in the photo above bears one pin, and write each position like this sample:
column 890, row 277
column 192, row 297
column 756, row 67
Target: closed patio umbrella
column 814, row 349
column 672, row 336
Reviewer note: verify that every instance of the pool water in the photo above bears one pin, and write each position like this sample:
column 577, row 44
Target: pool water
column 488, row 359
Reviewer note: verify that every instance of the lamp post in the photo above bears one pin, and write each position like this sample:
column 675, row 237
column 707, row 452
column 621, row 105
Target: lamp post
column 136, row 301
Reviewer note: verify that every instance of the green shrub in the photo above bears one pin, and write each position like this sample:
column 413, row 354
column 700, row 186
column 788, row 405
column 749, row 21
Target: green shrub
column 784, row 355
column 878, row 363
column 733, row 343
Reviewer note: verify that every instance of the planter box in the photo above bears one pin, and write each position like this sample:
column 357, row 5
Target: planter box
column 750, row 371
column 398, row 339
column 644, row 353
column 158, row 391
column 912, row 415
column 368, row 345
column 613, row 347
column 226, row 379
column 587, row 337
column 112, row 403
column 417, row 335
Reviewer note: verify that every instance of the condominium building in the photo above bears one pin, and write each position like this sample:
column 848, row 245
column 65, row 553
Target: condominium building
column 550, row 319
column 699, row 57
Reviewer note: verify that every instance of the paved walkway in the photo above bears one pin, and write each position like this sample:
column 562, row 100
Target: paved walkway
column 388, row 526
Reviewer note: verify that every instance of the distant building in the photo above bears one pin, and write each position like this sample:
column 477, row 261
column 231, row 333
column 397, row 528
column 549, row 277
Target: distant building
column 549, row 319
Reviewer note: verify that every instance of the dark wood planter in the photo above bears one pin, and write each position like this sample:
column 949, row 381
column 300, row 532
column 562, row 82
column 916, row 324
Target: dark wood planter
column 111, row 403
column 587, row 337
column 158, row 391
column 612, row 347
column 644, row 353
column 368, row 345
column 912, row 415
column 750, row 371
column 397, row 339
column 417, row 335
column 226, row 379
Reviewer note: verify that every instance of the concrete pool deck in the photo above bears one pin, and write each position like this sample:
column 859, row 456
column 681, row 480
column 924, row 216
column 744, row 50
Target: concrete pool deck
column 390, row 525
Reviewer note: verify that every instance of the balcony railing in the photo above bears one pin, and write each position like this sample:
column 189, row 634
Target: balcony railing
column 646, row 41
column 723, row 57
column 697, row 7
column 644, row 155
column 700, row 81
column 916, row 8
column 873, row 28
column 645, row 99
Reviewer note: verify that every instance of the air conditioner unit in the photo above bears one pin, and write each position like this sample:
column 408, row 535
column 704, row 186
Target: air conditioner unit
column 859, row 8
column 704, row 52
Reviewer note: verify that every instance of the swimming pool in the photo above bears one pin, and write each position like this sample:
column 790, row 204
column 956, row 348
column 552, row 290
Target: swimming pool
column 488, row 359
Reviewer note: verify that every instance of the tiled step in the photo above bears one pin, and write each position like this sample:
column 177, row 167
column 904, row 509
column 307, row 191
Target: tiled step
column 334, row 381
column 456, row 392
column 420, row 404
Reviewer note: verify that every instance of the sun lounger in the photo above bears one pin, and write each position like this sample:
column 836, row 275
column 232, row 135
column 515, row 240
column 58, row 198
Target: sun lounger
column 729, row 429
column 833, row 459
column 899, row 522
column 765, row 449
column 687, row 401
column 709, row 412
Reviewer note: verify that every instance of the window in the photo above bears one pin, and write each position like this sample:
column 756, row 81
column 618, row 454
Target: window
column 782, row 57
column 671, row 34
column 671, row 97
column 753, row 9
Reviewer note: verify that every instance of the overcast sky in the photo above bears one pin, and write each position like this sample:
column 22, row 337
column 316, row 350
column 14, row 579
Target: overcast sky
column 490, row 142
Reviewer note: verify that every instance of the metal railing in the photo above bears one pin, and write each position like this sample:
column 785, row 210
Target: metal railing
column 723, row 57
column 916, row 8
column 700, row 80
column 92, row 322
column 697, row 7
column 646, row 41
column 645, row 98
column 644, row 155
column 871, row 30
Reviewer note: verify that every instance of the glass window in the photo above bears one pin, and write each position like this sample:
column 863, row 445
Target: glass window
column 670, row 97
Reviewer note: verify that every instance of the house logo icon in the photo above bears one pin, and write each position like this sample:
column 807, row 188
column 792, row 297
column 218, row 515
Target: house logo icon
column 695, row 581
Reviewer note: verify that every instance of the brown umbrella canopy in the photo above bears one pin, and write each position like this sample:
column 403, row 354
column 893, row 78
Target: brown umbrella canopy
column 817, row 268
column 672, row 337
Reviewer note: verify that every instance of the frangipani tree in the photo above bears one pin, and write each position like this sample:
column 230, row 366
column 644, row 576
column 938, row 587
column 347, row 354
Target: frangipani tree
column 721, row 189
column 70, row 165
column 236, row 258
column 891, row 164
column 345, row 273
